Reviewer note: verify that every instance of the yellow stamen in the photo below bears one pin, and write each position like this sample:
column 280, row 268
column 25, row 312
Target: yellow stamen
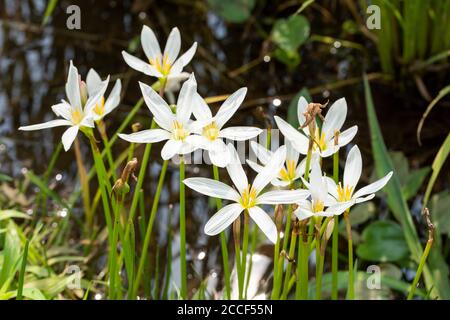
column 288, row 173
column 77, row 116
column 248, row 198
column 99, row 108
column 179, row 133
column 319, row 142
column 211, row 131
column 344, row 194
column 161, row 64
column 317, row 206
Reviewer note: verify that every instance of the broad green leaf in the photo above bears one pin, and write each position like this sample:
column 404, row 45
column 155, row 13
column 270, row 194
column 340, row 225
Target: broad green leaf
column 292, row 117
column 383, row 241
column 290, row 58
column 11, row 256
column 236, row 11
column 362, row 212
column 290, row 33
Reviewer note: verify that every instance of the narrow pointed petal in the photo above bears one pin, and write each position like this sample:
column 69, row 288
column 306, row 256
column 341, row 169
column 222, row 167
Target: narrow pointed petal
column 63, row 110
column 298, row 140
column 256, row 167
column 230, row 106
column 331, row 187
column 139, row 65
column 373, row 187
column 302, row 105
column 114, row 98
column 146, row 136
column 303, row 212
column 45, row 125
column 317, row 184
column 96, row 98
column 353, row 167
column 174, row 81
column 347, row 135
column 69, row 136
column 264, row 222
column 73, row 87
column 261, row 152
column 200, row 109
column 150, row 43
column 222, row 219
column 93, row 82
column 291, row 153
column 240, row 133
column 218, row 153
column 364, row 199
column 271, row 170
column 170, row 148
column 173, row 46
column 339, row 208
column 212, row 188
column 186, row 99
column 183, row 60
column 235, row 170
column 164, row 117
column 283, row 196
column 335, row 118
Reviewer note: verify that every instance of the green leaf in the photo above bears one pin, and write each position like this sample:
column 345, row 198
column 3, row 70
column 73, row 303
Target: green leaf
column 439, row 208
column 236, row 11
column 396, row 200
column 8, row 214
column 11, row 256
column 292, row 117
column 383, row 241
column 49, row 10
column 290, row 33
column 290, row 58
column 4, row 177
column 362, row 212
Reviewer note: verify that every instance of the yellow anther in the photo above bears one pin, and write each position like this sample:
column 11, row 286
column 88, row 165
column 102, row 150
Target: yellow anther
column 161, row 64
column 319, row 141
column 248, row 198
column 99, row 108
column 77, row 116
column 288, row 173
column 179, row 133
column 317, row 206
column 211, row 131
column 344, row 194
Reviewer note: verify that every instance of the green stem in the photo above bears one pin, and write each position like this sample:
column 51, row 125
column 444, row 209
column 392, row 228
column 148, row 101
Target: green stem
column 319, row 263
column 280, row 260
column 113, row 260
column 289, row 266
column 301, row 290
column 223, row 243
column 335, row 239
column 237, row 254
column 22, row 271
column 183, row 233
column 423, row 259
column 244, row 251
column 102, row 129
column 351, row 285
column 276, row 282
column 252, row 251
column 148, row 232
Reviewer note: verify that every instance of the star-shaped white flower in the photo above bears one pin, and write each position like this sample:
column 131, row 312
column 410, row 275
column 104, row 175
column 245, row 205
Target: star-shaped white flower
column 291, row 170
column 321, row 202
column 211, row 132
column 102, row 107
column 175, row 128
column 324, row 137
column 165, row 65
column 352, row 172
column 75, row 113
column 248, row 196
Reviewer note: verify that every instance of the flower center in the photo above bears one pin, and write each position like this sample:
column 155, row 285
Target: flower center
column 211, row 132
column 99, row 108
column 77, row 116
column 344, row 194
column 248, row 198
column 319, row 144
column 288, row 173
column 161, row 64
column 178, row 132
column 317, row 206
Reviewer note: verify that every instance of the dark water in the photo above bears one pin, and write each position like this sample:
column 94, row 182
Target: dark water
column 34, row 61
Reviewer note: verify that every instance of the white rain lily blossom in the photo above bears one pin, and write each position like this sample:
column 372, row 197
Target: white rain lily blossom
column 321, row 203
column 291, row 170
column 246, row 196
column 211, row 132
column 167, row 65
column 76, row 112
column 345, row 193
column 102, row 107
column 324, row 137
column 176, row 128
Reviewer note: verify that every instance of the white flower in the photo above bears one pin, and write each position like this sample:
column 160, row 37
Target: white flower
column 175, row 128
column 75, row 113
column 211, row 132
column 165, row 65
column 247, row 197
column 324, row 137
column 320, row 198
column 102, row 107
column 290, row 171
column 352, row 172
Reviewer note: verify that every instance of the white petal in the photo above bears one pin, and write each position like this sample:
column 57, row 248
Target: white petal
column 45, row 125
column 93, row 100
column 335, row 118
column 69, row 136
column 186, row 99
column 222, row 219
column 298, row 140
column 150, row 43
column 317, row 184
column 339, row 208
column 331, row 187
column 63, row 109
column 261, row 152
column 240, row 133
column 264, row 222
column 73, row 87
column 303, row 212
column 93, row 82
column 353, row 167
column 282, row 196
column 219, row 154
column 256, row 167
column 182, row 61
column 364, row 199
column 346, row 136
column 373, row 187
column 300, row 170
column 302, row 105
column 173, row 45
column 200, row 109
column 174, row 81
column 146, row 136
column 271, row 170
column 230, row 106
column 212, row 188
column 87, row 121
column 164, row 116
column 291, row 153
column 235, row 170
column 114, row 98
column 171, row 148
column 139, row 65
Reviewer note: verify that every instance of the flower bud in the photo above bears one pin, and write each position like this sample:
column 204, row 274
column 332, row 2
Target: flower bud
column 83, row 92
